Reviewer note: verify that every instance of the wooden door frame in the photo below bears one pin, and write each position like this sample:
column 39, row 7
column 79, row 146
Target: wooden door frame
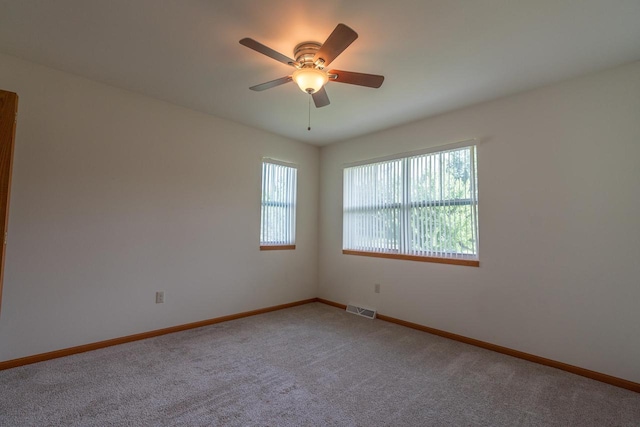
column 8, row 121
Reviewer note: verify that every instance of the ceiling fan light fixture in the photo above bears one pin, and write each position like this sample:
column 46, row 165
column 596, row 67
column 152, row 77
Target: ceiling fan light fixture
column 311, row 63
column 310, row 80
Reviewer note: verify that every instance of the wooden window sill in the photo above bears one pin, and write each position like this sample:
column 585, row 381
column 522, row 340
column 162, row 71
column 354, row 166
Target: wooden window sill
column 454, row 261
column 277, row 247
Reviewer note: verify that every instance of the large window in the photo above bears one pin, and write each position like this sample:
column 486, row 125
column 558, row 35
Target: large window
column 422, row 207
column 278, row 213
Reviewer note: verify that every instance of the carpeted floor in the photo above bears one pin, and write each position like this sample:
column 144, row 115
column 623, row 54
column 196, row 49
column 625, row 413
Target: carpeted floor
column 311, row 365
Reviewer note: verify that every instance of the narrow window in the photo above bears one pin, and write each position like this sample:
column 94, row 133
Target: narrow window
column 422, row 207
column 278, row 213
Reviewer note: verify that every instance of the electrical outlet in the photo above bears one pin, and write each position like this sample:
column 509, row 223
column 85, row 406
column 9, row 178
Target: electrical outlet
column 376, row 288
column 159, row 297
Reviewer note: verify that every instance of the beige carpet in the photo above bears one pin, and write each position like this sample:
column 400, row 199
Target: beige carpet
column 312, row 365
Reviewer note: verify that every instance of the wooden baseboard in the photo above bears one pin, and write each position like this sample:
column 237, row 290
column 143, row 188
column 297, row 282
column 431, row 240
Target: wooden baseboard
column 334, row 304
column 144, row 335
column 618, row 382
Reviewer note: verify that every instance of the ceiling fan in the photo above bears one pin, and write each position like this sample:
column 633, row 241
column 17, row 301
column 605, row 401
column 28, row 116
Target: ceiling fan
column 311, row 60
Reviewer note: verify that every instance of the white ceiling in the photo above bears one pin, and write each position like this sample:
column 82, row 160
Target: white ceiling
column 436, row 55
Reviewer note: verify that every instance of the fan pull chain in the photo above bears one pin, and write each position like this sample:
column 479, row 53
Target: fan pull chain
column 309, row 126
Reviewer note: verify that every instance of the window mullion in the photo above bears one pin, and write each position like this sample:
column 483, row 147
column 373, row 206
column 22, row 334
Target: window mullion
column 405, row 208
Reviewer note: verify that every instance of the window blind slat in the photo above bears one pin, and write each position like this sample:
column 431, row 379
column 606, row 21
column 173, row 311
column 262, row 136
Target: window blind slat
column 447, row 218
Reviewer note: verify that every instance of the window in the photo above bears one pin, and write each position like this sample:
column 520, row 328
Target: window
column 278, row 213
column 422, row 207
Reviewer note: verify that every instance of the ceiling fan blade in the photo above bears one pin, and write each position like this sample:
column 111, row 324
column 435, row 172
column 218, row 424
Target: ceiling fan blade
column 259, row 47
column 360, row 79
column 320, row 98
column 272, row 83
column 341, row 37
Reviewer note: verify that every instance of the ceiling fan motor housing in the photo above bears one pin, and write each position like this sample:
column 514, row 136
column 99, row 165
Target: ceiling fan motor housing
column 304, row 53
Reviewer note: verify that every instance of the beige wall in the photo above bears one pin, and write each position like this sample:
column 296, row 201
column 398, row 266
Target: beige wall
column 559, row 235
column 116, row 195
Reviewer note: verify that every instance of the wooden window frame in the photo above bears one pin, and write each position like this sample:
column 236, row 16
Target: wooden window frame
column 401, row 251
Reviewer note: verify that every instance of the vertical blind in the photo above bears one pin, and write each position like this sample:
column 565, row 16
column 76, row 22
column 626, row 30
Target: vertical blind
column 278, row 213
column 423, row 205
